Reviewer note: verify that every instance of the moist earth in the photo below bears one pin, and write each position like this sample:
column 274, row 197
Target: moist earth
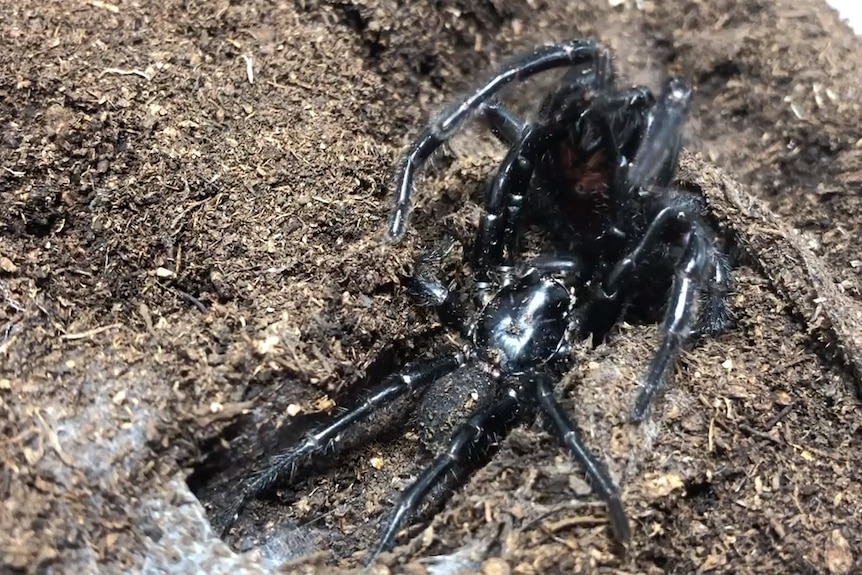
column 192, row 197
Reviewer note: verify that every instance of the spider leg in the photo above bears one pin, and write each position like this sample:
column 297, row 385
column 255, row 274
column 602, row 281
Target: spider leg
column 672, row 214
column 690, row 278
column 505, row 125
column 480, row 426
column 680, row 317
column 571, row 437
column 428, row 288
column 324, row 440
column 656, row 157
column 509, row 129
column 569, row 267
column 498, row 235
column 445, row 125
column 715, row 314
column 504, row 201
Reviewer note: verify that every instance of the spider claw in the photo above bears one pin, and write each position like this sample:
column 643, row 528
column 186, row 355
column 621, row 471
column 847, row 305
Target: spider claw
column 393, row 526
column 374, row 555
column 641, row 410
column 619, row 521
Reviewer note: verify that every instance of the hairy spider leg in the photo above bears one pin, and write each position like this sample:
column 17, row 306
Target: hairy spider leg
column 571, row 437
column 679, row 319
column 445, row 125
column 501, row 415
column 654, row 164
column 323, row 441
column 715, row 314
column 690, row 278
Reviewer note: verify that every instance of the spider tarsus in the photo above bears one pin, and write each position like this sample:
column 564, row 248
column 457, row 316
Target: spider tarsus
column 619, row 520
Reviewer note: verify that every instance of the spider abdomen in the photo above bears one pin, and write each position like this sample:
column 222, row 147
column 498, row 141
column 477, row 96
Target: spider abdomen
column 524, row 325
column 450, row 400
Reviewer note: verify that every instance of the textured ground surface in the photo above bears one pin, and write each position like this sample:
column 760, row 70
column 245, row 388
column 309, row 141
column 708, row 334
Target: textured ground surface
column 185, row 253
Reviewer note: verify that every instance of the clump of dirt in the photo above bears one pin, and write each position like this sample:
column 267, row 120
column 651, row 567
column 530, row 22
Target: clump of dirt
column 191, row 202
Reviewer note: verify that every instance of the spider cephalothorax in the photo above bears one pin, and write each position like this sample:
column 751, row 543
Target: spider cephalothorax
column 595, row 170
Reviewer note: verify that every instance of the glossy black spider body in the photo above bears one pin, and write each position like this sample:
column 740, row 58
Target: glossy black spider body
column 595, row 168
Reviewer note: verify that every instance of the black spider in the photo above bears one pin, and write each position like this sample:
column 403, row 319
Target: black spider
column 596, row 165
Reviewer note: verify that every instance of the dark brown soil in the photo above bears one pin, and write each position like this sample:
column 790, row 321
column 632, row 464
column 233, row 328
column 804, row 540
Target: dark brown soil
column 187, row 256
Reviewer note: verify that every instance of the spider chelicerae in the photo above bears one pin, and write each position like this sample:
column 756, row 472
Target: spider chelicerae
column 595, row 169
